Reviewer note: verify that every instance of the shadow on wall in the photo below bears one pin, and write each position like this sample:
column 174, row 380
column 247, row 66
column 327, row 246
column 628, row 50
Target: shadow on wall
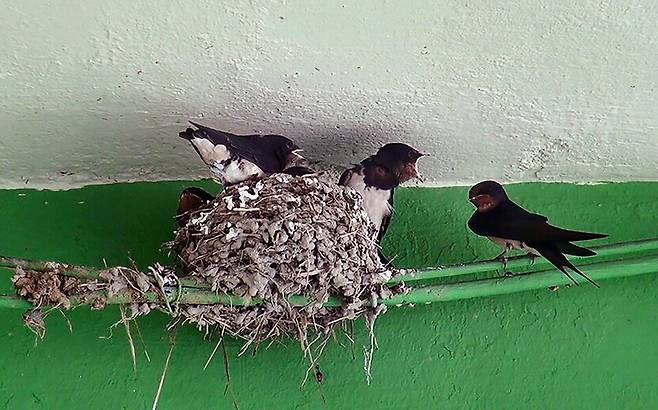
column 108, row 142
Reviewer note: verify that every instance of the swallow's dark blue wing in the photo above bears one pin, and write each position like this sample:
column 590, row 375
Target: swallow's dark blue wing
column 268, row 152
column 510, row 221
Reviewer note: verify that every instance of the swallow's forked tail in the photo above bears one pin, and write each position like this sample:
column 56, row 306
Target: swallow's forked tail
column 561, row 262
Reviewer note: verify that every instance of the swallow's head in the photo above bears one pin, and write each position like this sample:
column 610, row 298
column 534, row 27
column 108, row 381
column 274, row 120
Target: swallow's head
column 400, row 159
column 289, row 153
column 190, row 200
column 487, row 195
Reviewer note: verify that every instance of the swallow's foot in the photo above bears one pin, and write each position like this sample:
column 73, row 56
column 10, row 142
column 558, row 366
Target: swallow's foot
column 502, row 259
column 532, row 257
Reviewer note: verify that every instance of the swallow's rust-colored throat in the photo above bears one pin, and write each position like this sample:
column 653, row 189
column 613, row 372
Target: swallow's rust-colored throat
column 410, row 171
column 483, row 202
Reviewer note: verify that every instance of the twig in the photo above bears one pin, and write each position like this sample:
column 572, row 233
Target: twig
column 126, row 324
column 369, row 353
column 68, row 322
column 34, row 321
column 227, row 387
column 314, row 361
column 226, row 367
column 221, row 339
column 172, row 344
column 141, row 338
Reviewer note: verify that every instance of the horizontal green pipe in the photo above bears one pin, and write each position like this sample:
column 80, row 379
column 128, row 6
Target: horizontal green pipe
column 49, row 266
column 427, row 294
column 617, row 251
column 518, row 264
column 520, row 283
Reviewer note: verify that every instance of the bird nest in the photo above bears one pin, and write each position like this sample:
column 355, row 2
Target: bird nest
column 290, row 256
column 293, row 244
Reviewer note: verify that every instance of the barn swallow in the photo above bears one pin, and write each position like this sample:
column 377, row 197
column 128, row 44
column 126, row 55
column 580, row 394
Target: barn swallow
column 376, row 178
column 236, row 158
column 507, row 224
column 190, row 200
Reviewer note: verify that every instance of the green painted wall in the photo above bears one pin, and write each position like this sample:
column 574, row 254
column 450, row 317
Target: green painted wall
column 575, row 348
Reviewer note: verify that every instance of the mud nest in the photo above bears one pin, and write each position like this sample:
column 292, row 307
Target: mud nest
column 275, row 238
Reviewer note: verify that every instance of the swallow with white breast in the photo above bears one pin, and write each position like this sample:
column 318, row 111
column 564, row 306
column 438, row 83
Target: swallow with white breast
column 236, row 158
column 507, row 224
column 376, row 178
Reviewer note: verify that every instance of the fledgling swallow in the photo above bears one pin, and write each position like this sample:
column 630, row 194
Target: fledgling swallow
column 507, row 224
column 236, row 158
column 190, row 200
column 376, row 178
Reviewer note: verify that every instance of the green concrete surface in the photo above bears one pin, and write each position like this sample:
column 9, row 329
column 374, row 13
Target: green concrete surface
column 575, row 348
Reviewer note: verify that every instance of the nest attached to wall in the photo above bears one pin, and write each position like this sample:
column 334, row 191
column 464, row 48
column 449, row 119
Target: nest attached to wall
column 264, row 241
column 279, row 237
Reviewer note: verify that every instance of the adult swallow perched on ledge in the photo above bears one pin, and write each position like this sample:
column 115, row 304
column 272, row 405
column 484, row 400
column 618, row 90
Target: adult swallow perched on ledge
column 507, row 224
column 376, row 178
column 236, row 158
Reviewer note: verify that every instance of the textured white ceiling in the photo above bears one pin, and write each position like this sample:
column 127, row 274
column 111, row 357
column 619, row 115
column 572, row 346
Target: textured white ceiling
column 96, row 92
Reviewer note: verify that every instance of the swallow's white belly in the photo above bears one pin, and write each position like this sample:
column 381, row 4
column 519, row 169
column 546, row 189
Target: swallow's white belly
column 210, row 153
column 225, row 170
column 513, row 244
column 375, row 201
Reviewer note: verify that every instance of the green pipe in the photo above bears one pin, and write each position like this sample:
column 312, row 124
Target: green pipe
column 520, row 283
column 64, row 269
column 605, row 253
column 427, row 294
column 517, row 264
column 49, row 266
